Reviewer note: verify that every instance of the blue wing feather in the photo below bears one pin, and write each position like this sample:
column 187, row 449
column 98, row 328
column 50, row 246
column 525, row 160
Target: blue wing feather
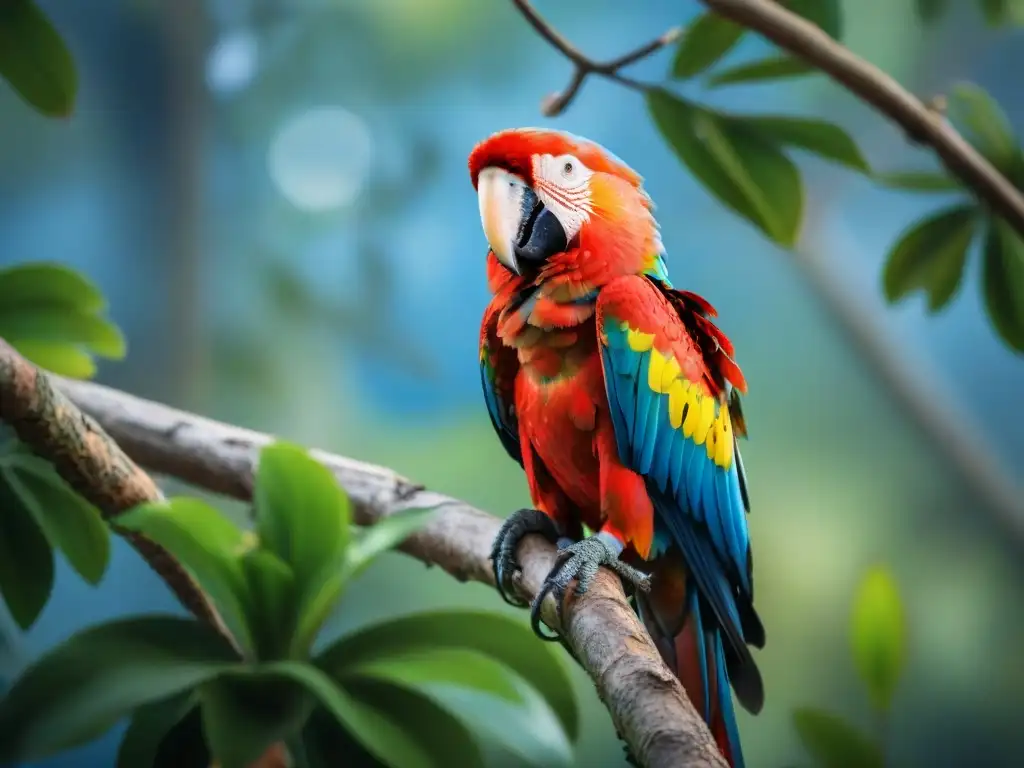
column 699, row 505
column 501, row 417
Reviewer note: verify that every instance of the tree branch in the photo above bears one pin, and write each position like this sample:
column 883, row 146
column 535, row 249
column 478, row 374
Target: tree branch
column 88, row 446
column 91, row 463
column 922, row 124
column 554, row 104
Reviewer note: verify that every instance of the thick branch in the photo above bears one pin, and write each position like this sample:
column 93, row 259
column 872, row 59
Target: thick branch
column 647, row 704
column 90, row 462
column 866, row 81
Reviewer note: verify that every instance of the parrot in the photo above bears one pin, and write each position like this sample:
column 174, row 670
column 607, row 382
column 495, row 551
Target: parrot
column 619, row 397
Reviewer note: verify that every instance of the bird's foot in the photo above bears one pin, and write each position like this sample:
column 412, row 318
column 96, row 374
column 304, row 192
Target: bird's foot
column 581, row 561
column 503, row 552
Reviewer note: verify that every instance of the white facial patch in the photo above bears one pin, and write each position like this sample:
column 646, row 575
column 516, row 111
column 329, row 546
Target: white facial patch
column 562, row 184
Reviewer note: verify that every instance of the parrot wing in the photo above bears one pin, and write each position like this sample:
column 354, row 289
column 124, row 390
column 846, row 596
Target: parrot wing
column 668, row 372
column 499, row 365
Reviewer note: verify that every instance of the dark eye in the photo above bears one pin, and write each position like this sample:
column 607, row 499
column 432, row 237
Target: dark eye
column 567, row 168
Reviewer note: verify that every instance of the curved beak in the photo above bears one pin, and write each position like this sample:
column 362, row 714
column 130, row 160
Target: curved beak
column 520, row 229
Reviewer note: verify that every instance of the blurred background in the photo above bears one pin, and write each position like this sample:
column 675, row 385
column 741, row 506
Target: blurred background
column 273, row 195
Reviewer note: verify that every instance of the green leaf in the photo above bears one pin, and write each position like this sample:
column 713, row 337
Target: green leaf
column 150, row 724
column 984, row 124
column 930, row 10
column 34, row 59
column 918, row 181
column 878, row 636
column 392, row 735
column 68, row 521
column 42, row 282
column 26, row 560
column 485, row 694
column 185, row 744
column 323, row 738
column 383, row 535
column 744, row 170
column 827, row 14
column 1015, row 14
column 244, row 713
column 441, row 666
column 272, row 589
column 431, row 736
column 930, row 256
column 492, row 634
column 101, row 674
column 61, row 359
column 706, row 40
column 994, row 11
column 51, row 315
column 833, row 743
column 778, row 67
column 824, row 139
column 1002, row 281
column 366, row 545
column 208, row 545
column 302, row 514
column 57, row 324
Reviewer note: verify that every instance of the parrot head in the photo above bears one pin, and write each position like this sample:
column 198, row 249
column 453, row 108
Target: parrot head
column 547, row 196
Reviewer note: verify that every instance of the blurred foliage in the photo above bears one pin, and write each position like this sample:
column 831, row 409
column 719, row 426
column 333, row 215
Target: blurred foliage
column 997, row 13
column 34, row 59
column 414, row 691
column 878, row 642
column 41, row 513
column 55, row 317
column 931, row 255
column 742, row 161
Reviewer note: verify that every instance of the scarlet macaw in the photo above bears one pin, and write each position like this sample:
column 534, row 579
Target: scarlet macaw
column 620, row 399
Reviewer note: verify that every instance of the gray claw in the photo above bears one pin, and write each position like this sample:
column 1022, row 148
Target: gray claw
column 581, row 561
column 503, row 552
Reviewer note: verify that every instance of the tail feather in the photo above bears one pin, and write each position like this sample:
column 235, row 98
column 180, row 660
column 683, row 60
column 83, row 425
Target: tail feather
column 693, row 648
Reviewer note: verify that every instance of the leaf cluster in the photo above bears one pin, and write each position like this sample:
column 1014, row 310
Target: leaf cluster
column 403, row 693
column 55, row 317
column 40, row 513
column 745, row 162
column 878, row 644
column 35, row 60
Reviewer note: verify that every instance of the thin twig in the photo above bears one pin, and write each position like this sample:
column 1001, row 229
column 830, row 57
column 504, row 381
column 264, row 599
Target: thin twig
column 646, row 702
column 554, row 104
column 922, row 124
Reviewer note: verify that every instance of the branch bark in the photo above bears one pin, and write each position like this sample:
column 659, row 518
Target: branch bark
column 89, row 431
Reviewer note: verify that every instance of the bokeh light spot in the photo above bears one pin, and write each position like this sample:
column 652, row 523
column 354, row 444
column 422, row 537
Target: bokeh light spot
column 320, row 158
column 232, row 62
